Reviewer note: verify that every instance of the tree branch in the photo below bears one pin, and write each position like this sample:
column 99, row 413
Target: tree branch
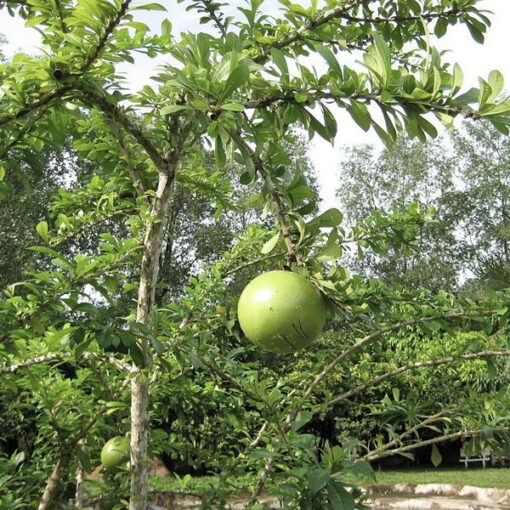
column 429, row 16
column 103, row 40
column 367, row 98
column 24, row 130
column 317, row 380
column 60, row 11
column 430, row 419
column 252, row 263
column 44, row 100
column 414, row 366
column 281, row 212
column 133, row 172
column 439, row 439
column 209, row 7
column 301, row 33
column 45, row 358
column 116, row 114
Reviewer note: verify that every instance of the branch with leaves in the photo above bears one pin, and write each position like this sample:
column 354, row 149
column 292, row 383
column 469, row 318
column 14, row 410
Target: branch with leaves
column 277, row 201
column 448, row 360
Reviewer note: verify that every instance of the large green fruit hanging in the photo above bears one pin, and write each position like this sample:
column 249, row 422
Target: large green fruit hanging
column 281, row 311
column 115, row 452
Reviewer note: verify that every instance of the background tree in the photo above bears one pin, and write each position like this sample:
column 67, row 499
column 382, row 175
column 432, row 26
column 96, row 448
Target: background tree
column 410, row 172
column 483, row 156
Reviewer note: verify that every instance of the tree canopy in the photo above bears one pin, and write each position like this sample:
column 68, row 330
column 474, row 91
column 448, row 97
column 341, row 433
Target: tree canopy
column 232, row 94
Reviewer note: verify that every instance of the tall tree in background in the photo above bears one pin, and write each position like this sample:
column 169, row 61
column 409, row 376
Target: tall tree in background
column 465, row 178
column 483, row 203
column 409, row 172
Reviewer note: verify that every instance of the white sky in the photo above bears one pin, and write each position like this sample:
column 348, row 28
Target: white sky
column 476, row 60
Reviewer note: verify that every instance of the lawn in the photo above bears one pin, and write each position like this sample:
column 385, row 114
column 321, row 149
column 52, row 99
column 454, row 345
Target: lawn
column 478, row 477
column 490, row 477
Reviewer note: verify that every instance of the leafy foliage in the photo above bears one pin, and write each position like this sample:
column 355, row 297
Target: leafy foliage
column 234, row 97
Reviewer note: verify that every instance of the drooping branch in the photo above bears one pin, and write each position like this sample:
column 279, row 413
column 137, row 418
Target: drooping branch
column 291, row 417
column 421, row 444
column 29, row 124
column 441, row 416
column 367, row 339
column 414, row 366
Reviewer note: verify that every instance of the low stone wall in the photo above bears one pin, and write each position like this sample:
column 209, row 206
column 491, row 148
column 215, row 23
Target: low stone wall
column 437, row 496
column 402, row 496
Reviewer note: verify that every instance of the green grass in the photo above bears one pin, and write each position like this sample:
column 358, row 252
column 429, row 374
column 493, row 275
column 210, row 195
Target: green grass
column 490, row 477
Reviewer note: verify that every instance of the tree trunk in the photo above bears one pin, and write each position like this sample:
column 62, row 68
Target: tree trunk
column 79, row 497
column 140, row 381
column 53, row 482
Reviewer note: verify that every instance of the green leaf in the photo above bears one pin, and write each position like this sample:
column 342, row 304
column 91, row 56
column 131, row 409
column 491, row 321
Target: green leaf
column 137, row 355
column 269, row 245
column 301, row 420
column 84, row 458
column 42, row 230
column 496, row 83
column 476, row 34
column 328, row 219
column 436, row 457
column 339, row 498
column 219, row 153
column 301, row 97
column 457, row 79
column 441, row 27
column 484, row 93
column 239, row 77
column 279, row 59
column 330, row 58
column 332, row 250
column 233, row 107
column 317, row 479
column 150, row 7
column 173, row 108
column 469, row 97
column 359, row 113
column 2, row 172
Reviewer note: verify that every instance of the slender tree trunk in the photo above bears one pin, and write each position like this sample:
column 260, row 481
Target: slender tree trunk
column 53, row 482
column 140, row 381
column 79, row 498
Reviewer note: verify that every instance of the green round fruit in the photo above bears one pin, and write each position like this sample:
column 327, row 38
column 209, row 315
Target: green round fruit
column 115, row 452
column 281, row 311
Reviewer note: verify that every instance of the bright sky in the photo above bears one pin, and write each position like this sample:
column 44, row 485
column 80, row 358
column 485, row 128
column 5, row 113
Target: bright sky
column 476, row 60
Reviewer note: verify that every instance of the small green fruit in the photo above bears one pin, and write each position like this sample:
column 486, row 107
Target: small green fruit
column 281, row 311
column 115, row 452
